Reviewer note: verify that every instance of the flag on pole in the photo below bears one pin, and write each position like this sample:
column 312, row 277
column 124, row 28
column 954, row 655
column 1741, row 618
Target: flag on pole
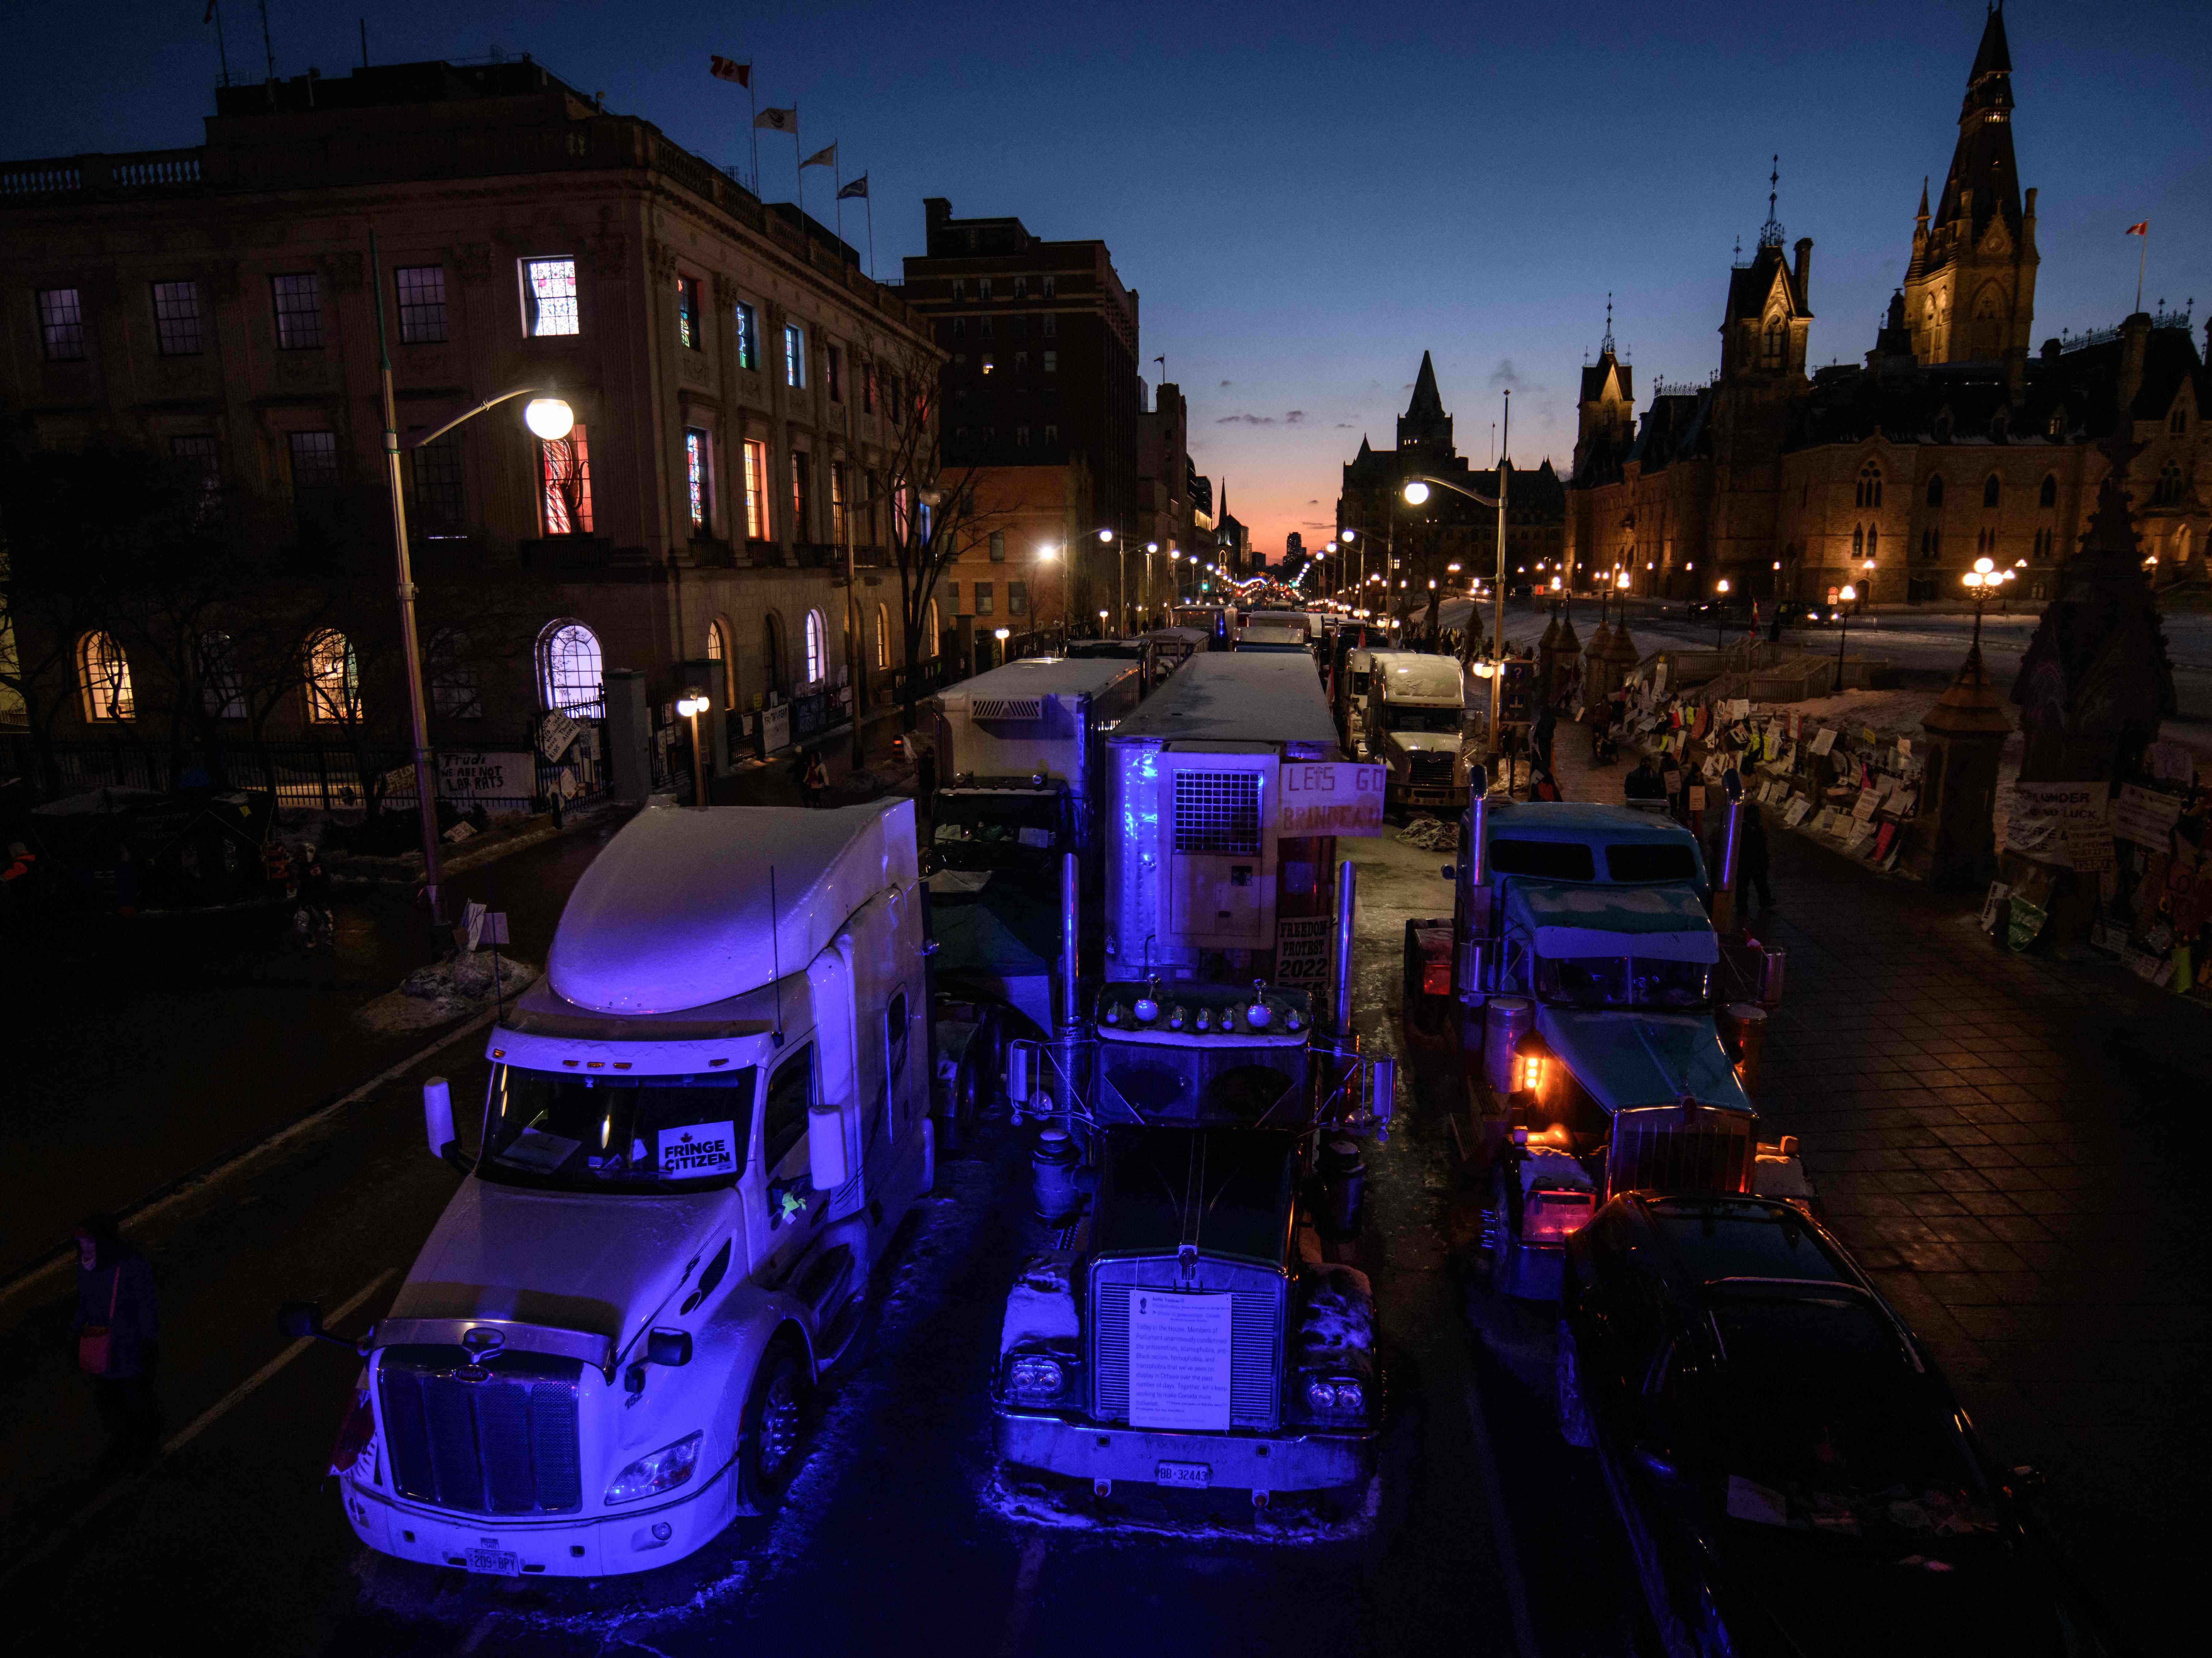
column 858, row 187
column 2142, row 229
column 822, row 158
column 723, row 69
column 779, row 120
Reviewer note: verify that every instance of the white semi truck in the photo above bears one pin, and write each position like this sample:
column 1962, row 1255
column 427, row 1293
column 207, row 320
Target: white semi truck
column 1416, row 718
column 703, row 1126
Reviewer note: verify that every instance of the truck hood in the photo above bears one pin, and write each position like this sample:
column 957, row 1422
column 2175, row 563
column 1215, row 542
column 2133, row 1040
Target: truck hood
column 601, row 1265
column 1627, row 1059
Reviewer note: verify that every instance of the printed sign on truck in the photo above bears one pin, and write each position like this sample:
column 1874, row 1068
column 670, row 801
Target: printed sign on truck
column 1331, row 798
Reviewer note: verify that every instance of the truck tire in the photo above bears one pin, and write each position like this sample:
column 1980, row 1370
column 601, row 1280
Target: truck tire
column 772, row 1443
column 1567, row 1376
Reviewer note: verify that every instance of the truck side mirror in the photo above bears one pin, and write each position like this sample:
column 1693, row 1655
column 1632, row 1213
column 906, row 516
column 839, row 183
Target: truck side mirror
column 1023, row 1058
column 828, row 1166
column 1382, row 1089
column 670, row 1347
column 438, row 1115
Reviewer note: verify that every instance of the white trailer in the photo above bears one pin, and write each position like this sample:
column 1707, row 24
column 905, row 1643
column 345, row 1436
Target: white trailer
column 703, row 1127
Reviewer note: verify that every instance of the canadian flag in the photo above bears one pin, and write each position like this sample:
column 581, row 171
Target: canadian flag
column 2142, row 229
column 723, row 69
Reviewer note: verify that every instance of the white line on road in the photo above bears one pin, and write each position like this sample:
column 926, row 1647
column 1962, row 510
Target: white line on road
column 199, row 1425
column 1516, row 1593
column 1013, row 1634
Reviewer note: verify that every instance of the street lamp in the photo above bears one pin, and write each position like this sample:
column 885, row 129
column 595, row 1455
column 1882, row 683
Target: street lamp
column 1719, row 623
column 1106, row 538
column 551, row 418
column 1846, row 595
column 1417, row 491
column 1984, row 583
column 1866, row 585
column 690, row 706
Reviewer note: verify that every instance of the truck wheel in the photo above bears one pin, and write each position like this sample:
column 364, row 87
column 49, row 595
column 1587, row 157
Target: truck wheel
column 772, row 1447
column 1567, row 1374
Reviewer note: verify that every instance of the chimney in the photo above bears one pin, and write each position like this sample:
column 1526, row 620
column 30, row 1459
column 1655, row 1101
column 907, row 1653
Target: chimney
column 1805, row 272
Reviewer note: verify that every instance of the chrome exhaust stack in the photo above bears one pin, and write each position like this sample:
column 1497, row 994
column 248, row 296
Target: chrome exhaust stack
column 1347, row 905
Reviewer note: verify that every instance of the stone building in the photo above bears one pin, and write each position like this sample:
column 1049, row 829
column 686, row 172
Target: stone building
column 1950, row 442
column 738, row 384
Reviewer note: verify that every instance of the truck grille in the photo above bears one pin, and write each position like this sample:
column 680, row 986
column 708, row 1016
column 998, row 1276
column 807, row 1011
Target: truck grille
column 1255, row 1334
column 1430, row 771
column 504, row 1444
column 1672, row 1148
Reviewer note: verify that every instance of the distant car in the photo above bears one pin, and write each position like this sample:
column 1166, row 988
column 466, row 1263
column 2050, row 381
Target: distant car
column 1794, row 1475
column 1711, row 611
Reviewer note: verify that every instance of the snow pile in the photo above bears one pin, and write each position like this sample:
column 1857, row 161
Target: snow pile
column 1429, row 835
column 1041, row 1307
column 449, row 990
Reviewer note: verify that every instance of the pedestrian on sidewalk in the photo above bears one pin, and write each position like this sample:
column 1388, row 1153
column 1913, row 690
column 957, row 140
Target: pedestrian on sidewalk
column 1541, row 734
column 817, row 790
column 116, row 1336
column 1751, row 863
column 1644, row 783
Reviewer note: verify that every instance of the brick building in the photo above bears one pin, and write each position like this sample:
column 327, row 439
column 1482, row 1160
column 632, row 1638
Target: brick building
column 1950, row 442
column 735, row 381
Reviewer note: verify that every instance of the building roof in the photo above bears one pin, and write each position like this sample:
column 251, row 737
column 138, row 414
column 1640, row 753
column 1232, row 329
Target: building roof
column 1236, row 697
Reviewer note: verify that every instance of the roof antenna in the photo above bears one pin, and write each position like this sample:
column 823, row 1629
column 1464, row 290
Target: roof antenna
column 1606, row 343
column 775, row 964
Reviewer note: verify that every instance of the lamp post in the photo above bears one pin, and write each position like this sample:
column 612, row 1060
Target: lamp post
column 1151, row 548
column 1984, row 583
column 1866, row 585
column 690, row 706
column 1720, row 624
column 1416, row 492
column 551, row 418
column 1843, row 617
column 1002, row 634
column 1107, row 538
column 1045, row 555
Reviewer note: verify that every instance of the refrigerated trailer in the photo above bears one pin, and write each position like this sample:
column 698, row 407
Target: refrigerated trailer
column 704, row 1125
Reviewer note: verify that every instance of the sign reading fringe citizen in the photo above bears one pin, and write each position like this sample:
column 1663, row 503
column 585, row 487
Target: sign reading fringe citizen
column 1331, row 798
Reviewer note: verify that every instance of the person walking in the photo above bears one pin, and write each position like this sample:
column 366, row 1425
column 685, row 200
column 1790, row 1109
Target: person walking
column 817, row 781
column 1541, row 735
column 1751, row 864
column 1644, row 783
column 116, row 1335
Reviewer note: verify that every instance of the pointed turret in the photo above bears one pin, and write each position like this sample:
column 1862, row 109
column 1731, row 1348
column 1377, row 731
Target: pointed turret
column 1424, row 421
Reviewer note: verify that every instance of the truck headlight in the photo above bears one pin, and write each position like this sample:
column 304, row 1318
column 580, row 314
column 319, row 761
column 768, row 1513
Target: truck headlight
column 1336, row 1396
column 664, row 1471
column 1035, row 1378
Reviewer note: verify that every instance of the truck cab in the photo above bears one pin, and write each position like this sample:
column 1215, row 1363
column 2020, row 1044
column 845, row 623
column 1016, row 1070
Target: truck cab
column 1416, row 725
column 703, row 1126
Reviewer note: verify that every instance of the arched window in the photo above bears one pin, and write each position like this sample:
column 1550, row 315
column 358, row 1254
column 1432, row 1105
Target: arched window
column 2178, row 421
column 1858, row 541
column 333, row 683
column 2048, row 495
column 1874, row 541
column 929, row 644
column 772, row 649
column 571, row 674
column 1936, row 490
column 222, row 690
column 1869, row 492
column 2181, row 544
column 883, row 637
column 718, row 650
column 2169, row 485
column 1769, row 351
column 1990, row 488
column 103, row 673
column 455, row 693
column 817, row 648
column 1989, row 327
column 2057, row 426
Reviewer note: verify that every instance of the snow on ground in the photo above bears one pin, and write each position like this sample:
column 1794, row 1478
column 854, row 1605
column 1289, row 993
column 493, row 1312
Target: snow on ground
column 447, row 991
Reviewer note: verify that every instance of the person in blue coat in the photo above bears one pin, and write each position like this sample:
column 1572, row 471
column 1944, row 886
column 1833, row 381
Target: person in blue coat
column 117, row 1339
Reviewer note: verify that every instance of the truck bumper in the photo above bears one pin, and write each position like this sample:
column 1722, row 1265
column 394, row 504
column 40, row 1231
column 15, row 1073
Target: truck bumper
column 1530, row 1271
column 1295, row 1460
column 1449, row 801
column 583, row 1545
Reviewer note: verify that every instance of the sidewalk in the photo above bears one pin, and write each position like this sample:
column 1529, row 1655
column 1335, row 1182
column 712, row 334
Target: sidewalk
column 2012, row 1146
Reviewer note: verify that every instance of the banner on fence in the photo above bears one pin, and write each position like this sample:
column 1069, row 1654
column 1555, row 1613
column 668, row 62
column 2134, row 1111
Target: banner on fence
column 2048, row 817
column 554, row 733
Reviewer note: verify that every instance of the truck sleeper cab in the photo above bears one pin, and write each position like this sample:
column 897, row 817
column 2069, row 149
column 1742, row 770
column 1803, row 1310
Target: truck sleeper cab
column 1416, row 725
column 703, row 1126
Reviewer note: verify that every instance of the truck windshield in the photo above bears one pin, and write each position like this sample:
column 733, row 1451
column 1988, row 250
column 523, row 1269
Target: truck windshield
column 1159, row 1085
column 1026, row 818
column 1623, row 981
column 562, row 1133
column 1400, row 717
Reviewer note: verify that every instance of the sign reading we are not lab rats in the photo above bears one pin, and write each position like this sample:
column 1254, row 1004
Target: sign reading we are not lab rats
column 1331, row 798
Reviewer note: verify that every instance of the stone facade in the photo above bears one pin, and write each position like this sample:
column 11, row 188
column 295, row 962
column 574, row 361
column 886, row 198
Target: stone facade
column 1950, row 443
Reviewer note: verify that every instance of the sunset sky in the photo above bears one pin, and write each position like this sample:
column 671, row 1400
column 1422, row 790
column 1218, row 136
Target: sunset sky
column 1307, row 196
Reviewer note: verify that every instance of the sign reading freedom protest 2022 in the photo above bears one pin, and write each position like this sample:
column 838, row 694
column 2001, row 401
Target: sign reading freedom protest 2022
column 1332, row 797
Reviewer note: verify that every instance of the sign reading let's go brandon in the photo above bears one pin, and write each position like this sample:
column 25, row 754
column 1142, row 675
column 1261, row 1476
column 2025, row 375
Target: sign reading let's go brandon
column 1331, row 798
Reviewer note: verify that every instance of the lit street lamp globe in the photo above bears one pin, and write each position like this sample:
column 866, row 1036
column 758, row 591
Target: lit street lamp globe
column 1105, row 535
column 551, row 418
column 1416, row 493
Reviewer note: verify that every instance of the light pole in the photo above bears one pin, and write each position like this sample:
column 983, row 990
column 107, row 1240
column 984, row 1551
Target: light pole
column 1002, row 634
column 1984, row 583
column 1843, row 617
column 1045, row 555
column 1719, row 625
column 690, row 706
column 1416, row 492
column 1107, row 538
column 1866, row 585
column 1150, row 547
column 551, row 419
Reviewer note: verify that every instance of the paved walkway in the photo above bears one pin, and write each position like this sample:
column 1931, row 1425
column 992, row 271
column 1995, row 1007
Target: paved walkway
column 2013, row 1146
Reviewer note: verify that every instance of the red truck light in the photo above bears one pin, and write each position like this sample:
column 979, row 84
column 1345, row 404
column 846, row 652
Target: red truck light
column 1549, row 1217
column 1436, row 978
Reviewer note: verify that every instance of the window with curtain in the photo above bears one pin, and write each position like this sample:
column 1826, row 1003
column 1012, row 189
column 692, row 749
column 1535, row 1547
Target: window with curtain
column 699, row 479
column 565, row 477
column 103, row 676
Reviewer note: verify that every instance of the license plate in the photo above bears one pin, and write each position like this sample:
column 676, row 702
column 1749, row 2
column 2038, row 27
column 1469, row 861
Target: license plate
column 1192, row 1476
column 498, row 1563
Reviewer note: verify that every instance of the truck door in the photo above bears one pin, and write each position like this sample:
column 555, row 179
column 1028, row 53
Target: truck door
column 791, row 1208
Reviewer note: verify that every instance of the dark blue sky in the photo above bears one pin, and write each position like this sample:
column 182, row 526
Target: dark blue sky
column 1308, row 196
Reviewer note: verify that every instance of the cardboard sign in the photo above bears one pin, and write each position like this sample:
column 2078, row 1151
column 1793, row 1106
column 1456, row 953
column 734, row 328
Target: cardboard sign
column 1179, row 1346
column 556, row 733
column 474, row 774
column 2145, row 817
column 1824, row 741
column 1331, row 798
column 1302, row 954
column 1866, row 806
column 2041, row 813
column 699, row 1150
column 1799, row 811
column 775, row 728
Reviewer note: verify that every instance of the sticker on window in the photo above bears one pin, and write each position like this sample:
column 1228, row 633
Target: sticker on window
column 700, row 1149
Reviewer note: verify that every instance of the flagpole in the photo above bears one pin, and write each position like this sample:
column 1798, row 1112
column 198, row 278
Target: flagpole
column 222, row 50
column 838, row 200
column 752, row 101
column 799, row 171
column 870, row 200
column 2142, row 260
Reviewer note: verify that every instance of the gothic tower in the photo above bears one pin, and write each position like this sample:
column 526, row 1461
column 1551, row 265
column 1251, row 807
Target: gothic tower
column 1606, row 414
column 1425, row 422
column 1970, row 290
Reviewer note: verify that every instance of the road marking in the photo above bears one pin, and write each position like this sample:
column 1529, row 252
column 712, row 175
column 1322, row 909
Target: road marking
column 1517, row 1595
column 199, row 1425
column 1013, row 1634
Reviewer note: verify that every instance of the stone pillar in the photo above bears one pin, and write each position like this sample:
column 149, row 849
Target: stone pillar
column 1597, row 662
column 1623, row 656
column 630, row 735
column 1956, row 827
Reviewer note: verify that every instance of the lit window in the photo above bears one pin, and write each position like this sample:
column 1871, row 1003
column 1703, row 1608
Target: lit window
column 718, row 650
column 103, row 673
column 565, row 477
column 61, row 324
column 299, row 302
column 748, row 336
column 988, row 361
column 688, row 329
column 794, row 354
column 800, row 520
column 314, row 472
column 982, row 599
column 883, row 637
column 929, row 631
column 440, row 504
column 549, row 298
column 177, row 318
column 756, row 490
column 422, row 291
column 571, row 679
column 838, row 502
column 817, row 648
column 333, row 682
column 698, row 479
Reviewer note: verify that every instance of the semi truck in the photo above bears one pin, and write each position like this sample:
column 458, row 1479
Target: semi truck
column 1607, row 1032
column 1196, row 1325
column 703, row 1126
column 1415, row 724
